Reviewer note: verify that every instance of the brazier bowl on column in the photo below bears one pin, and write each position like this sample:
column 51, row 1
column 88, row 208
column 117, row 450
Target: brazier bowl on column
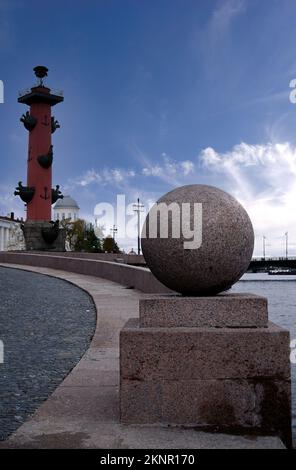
column 202, row 356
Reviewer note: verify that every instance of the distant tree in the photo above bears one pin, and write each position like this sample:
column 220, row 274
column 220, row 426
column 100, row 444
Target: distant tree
column 92, row 243
column 110, row 245
column 81, row 236
column 99, row 231
column 74, row 231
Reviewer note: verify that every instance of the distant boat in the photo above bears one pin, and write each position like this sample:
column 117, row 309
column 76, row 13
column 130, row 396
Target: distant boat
column 282, row 271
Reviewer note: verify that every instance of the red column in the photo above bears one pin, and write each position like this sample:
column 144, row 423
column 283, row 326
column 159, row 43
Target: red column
column 41, row 178
column 38, row 194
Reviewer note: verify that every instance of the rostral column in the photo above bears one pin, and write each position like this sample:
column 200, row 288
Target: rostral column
column 40, row 233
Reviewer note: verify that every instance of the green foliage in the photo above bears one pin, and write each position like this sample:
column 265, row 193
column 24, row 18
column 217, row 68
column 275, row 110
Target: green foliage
column 110, row 245
column 81, row 236
column 91, row 244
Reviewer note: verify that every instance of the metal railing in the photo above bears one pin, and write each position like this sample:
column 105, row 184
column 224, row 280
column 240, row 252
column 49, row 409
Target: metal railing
column 27, row 91
column 24, row 92
column 56, row 92
column 273, row 258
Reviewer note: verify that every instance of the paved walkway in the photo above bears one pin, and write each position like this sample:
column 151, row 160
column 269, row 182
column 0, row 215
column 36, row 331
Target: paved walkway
column 46, row 327
column 83, row 410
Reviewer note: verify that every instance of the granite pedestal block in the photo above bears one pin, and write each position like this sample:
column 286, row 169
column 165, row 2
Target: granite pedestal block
column 211, row 362
column 223, row 310
column 34, row 240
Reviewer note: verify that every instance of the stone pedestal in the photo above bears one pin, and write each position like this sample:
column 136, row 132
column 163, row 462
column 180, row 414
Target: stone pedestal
column 35, row 241
column 213, row 363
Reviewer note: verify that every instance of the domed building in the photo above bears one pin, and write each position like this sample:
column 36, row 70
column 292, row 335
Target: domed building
column 66, row 208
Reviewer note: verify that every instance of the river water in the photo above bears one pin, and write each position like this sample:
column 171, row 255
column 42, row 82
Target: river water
column 281, row 294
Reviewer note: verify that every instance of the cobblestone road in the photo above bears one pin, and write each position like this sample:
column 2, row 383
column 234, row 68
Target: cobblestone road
column 46, row 325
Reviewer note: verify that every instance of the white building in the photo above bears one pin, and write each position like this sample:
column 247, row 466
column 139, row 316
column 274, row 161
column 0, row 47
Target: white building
column 66, row 208
column 11, row 234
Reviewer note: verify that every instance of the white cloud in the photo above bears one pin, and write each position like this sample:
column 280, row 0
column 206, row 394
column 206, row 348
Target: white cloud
column 263, row 179
column 169, row 169
column 90, row 176
column 213, row 40
column 113, row 175
column 187, row 166
column 224, row 15
column 153, row 171
column 10, row 203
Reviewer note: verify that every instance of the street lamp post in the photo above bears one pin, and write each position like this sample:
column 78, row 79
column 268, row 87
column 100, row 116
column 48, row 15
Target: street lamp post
column 264, row 245
column 286, row 235
column 113, row 231
column 138, row 208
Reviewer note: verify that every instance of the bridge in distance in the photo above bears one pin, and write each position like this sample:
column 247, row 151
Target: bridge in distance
column 263, row 264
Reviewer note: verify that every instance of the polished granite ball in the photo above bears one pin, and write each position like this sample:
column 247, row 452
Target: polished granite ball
column 197, row 240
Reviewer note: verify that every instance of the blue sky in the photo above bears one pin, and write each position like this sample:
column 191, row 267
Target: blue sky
column 159, row 93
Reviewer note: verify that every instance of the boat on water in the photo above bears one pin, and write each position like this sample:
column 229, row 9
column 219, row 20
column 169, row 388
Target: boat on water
column 282, row 271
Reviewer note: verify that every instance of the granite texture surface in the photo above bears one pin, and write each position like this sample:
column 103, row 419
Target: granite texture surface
column 223, row 310
column 214, row 378
column 227, row 241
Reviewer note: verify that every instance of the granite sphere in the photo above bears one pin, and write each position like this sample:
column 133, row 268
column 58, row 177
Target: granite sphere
column 210, row 258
